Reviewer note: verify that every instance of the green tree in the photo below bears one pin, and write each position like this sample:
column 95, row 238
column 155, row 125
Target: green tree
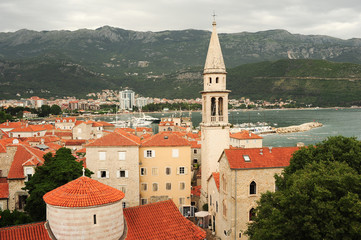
column 4, row 117
column 55, row 110
column 318, row 197
column 15, row 217
column 44, row 111
column 56, row 171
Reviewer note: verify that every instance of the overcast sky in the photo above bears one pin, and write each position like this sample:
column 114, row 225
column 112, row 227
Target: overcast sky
column 337, row 18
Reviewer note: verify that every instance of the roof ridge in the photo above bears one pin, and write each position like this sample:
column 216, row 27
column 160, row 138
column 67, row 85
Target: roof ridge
column 127, row 137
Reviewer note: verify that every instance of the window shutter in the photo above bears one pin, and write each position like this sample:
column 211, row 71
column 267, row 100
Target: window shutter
column 178, row 170
column 145, row 153
column 107, row 174
column 153, row 153
column 185, row 170
column 126, row 173
column 118, row 174
column 99, row 174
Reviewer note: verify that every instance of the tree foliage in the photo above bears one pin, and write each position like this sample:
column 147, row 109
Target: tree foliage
column 8, row 218
column 55, row 110
column 319, row 195
column 56, row 171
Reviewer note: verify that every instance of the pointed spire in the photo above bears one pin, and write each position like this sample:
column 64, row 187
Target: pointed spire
column 214, row 62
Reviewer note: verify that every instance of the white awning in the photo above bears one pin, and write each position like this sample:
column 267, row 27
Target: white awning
column 201, row 214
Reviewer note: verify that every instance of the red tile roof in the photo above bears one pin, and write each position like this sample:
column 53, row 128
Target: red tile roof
column 141, row 129
column 165, row 139
column 4, row 142
column 195, row 144
column 64, row 133
column 83, row 192
column 4, row 190
column 82, row 150
column 115, row 139
column 74, row 142
column 24, row 155
column 3, row 134
column 270, row 158
column 196, row 191
column 29, row 128
column 245, row 135
column 161, row 220
column 12, row 124
column 131, row 130
column 167, row 123
column 106, row 124
column 30, row 231
column 216, row 179
column 67, row 119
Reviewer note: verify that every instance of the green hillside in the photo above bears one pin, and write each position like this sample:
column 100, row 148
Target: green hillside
column 316, row 82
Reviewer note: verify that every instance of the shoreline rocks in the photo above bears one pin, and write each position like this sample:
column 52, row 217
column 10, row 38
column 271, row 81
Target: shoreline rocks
column 300, row 128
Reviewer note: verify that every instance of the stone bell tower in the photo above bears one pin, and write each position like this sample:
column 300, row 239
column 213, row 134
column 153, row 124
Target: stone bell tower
column 214, row 126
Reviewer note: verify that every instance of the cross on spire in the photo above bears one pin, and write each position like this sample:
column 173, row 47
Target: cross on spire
column 83, row 171
column 214, row 16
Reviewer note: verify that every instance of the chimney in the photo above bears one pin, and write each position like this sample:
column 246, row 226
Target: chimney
column 42, row 141
column 249, row 133
column 270, row 149
column 261, row 151
column 7, row 122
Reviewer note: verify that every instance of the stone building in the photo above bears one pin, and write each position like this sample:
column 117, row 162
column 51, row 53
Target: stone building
column 245, row 139
column 114, row 159
column 243, row 175
column 66, row 123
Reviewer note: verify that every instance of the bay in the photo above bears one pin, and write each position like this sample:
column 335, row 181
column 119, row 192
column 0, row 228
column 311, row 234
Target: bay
column 341, row 121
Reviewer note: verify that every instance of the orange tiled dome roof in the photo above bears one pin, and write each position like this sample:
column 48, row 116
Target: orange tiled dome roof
column 83, row 192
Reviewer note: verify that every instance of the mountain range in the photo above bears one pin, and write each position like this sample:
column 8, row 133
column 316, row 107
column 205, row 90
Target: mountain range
column 169, row 63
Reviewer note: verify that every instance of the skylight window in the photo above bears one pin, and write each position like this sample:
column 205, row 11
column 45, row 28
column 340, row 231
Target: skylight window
column 246, row 158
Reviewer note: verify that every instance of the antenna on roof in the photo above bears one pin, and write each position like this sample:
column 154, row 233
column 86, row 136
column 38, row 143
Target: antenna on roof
column 214, row 16
column 83, row 172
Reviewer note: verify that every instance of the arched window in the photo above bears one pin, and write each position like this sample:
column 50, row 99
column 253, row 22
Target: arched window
column 252, row 214
column 210, row 80
column 220, row 106
column 252, row 188
column 213, row 106
column 216, row 79
column 210, row 200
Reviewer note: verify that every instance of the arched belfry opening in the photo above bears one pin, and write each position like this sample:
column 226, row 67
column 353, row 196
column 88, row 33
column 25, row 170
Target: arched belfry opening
column 220, row 108
column 213, row 106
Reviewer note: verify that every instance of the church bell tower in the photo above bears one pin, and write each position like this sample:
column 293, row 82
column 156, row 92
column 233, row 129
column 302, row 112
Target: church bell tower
column 214, row 126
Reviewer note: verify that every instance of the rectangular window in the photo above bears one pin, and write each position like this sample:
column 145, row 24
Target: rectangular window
column 123, row 188
column 168, row 186
column 195, row 151
column 124, row 204
column 154, row 171
column 182, row 185
column 144, row 201
column 143, row 171
column 155, row 187
column 149, row 153
column 182, row 170
column 181, row 200
column 103, row 174
column 175, row 153
column 121, row 155
column 123, row 174
column 95, row 219
column 143, row 187
column 168, row 170
column 102, row 155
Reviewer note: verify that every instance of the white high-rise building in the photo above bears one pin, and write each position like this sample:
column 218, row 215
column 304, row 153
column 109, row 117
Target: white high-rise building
column 126, row 99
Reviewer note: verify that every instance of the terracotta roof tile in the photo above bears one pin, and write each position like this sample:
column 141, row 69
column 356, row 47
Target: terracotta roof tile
column 245, row 135
column 25, row 232
column 4, row 190
column 83, row 192
column 216, row 179
column 74, row 142
column 270, row 158
column 3, row 134
column 116, row 139
column 12, row 124
column 67, row 119
column 29, row 128
column 22, row 155
column 141, row 129
column 167, row 123
column 161, row 220
column 165, row 139
column 195, row 144
column 131, row 130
